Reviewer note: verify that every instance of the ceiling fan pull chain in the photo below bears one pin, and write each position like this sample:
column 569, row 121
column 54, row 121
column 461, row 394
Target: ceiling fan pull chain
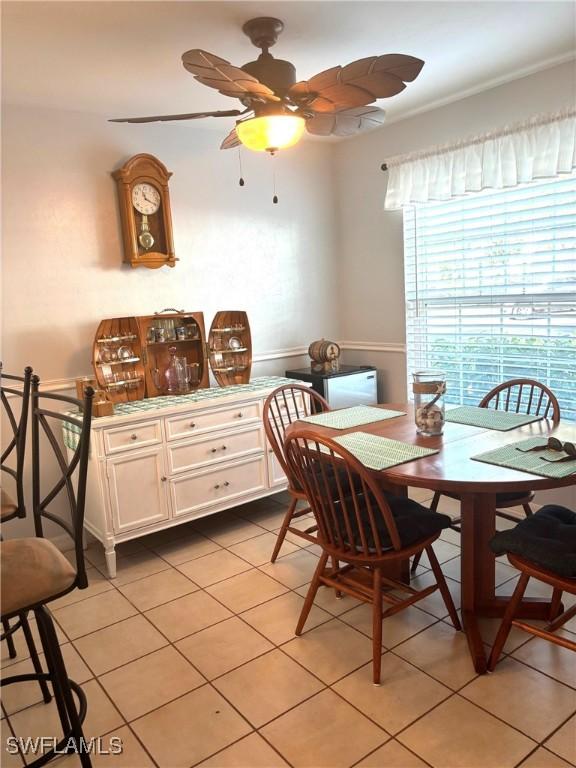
column 241, row 181
column 275, row 197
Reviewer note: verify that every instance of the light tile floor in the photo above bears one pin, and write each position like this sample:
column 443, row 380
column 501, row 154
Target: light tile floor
column 189, row 656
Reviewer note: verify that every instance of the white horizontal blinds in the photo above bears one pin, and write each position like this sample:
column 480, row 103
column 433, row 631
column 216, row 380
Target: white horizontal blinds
column 491, row 289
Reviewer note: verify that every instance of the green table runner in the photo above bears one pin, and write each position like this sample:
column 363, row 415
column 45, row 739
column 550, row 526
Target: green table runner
column 489, row 418
column 378, row 453
column 71, row 432
column 508, row 456
column 352, row 417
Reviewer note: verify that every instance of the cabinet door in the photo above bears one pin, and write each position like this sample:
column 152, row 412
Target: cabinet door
column 276, row 476
column 137, row 489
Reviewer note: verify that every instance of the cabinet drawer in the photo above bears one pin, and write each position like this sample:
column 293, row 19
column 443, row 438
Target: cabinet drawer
column 214, row 448
column 192, row 493
column 133, row 436
column 207, row 421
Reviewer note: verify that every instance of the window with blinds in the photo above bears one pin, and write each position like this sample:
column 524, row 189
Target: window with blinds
column 491, row 290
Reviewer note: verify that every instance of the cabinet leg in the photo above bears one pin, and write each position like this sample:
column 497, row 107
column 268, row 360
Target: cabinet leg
column 110, row 555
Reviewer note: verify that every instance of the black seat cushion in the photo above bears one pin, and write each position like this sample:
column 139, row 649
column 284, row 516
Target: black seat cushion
column 414, row 523
column 547, row 539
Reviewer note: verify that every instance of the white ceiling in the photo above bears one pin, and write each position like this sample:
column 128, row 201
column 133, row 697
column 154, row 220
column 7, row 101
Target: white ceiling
column 123, row 58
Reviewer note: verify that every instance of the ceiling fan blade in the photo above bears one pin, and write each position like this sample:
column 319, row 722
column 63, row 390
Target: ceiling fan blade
column 231, row 140
column 357, row 84
column 345, row 123
column 218, row 73
column 188, row 116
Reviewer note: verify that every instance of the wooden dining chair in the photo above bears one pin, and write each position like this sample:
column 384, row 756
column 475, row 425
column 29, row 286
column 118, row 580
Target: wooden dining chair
column 541, row 547
column 365, row 530
column 34, row 572
column 282, row 407
column 526, row 396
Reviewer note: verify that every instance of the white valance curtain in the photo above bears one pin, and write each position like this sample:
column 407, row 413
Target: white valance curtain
column 541, row 148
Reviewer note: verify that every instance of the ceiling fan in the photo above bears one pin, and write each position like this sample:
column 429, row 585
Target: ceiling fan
column 277, row 109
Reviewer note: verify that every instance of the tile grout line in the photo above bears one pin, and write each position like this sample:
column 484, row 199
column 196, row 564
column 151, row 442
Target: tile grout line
column 239, row 615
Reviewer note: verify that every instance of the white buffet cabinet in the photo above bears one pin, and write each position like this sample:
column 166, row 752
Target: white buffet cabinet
column 165, row 461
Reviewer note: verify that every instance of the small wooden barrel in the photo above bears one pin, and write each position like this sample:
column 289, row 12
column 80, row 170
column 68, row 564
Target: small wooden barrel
column 323, row 351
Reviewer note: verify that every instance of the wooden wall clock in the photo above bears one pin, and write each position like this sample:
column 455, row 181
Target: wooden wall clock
column 145, row 212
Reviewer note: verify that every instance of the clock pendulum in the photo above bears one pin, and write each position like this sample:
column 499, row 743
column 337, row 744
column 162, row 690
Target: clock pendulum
column 145, row 237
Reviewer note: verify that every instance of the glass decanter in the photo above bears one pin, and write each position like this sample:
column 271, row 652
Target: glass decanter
column 175, row 374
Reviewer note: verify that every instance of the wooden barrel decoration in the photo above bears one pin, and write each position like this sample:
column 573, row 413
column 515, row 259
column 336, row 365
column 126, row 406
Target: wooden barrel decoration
column 324, row 355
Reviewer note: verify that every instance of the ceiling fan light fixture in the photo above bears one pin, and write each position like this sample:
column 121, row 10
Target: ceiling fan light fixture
column 269, row 133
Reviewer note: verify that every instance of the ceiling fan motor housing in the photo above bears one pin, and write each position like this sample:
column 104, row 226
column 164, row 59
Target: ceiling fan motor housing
column 277, row 74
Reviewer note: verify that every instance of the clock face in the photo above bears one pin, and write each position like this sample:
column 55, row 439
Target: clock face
column 145, row 198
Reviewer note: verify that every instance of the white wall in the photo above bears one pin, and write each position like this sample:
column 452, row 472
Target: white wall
column 62, row 248
column 371, row 269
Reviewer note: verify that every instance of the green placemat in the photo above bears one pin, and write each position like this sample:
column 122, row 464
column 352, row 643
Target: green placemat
column 352, row 417
column 508, row 456
column 377, row 452
column 489, row 418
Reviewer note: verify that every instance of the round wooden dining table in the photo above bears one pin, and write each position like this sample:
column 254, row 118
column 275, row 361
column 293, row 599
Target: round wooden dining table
column 454, row 470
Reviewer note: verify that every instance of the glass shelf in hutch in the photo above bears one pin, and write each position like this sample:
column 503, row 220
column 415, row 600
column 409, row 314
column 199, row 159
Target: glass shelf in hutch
column 166, row 353
column 117, row 359
column 230, row 348
column 174, row 356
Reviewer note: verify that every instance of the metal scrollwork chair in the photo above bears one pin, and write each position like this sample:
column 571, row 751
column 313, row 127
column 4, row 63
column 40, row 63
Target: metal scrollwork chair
column 519, row 396
column 282, row 407
column 34, row 572
column 364, row 529
column 14, row 388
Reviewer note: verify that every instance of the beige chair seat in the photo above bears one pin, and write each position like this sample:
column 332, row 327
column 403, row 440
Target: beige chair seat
column 33, row 571
column 9, row 506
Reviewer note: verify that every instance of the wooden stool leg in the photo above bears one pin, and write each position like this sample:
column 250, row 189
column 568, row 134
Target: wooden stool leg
column 435, row 501
column 282, row 532
column 527, row 509
column 9, row 639
column 443, row 587
column 555, row 604
column 415, row 562
column 335, row 566
column 34, row 658
column 313, row 588
column 504, row 630
column 377, row 626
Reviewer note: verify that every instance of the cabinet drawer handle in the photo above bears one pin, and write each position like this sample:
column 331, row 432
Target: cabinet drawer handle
column 239, row 415
column 225, row 483
column 133, row 437
column 192, row 425
column 217, row 486
column 163, row 478
column 213, row 450
column 223, row 448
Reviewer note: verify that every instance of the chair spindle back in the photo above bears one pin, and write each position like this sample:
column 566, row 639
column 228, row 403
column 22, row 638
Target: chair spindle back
column 284, row 406
column 346, row 501
column 523, row 396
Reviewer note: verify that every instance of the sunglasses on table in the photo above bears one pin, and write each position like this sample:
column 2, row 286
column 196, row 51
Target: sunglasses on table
column 553, row 444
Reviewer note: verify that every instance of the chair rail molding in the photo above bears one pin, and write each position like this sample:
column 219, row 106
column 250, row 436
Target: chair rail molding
column 374, row 346
column 58, row 385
